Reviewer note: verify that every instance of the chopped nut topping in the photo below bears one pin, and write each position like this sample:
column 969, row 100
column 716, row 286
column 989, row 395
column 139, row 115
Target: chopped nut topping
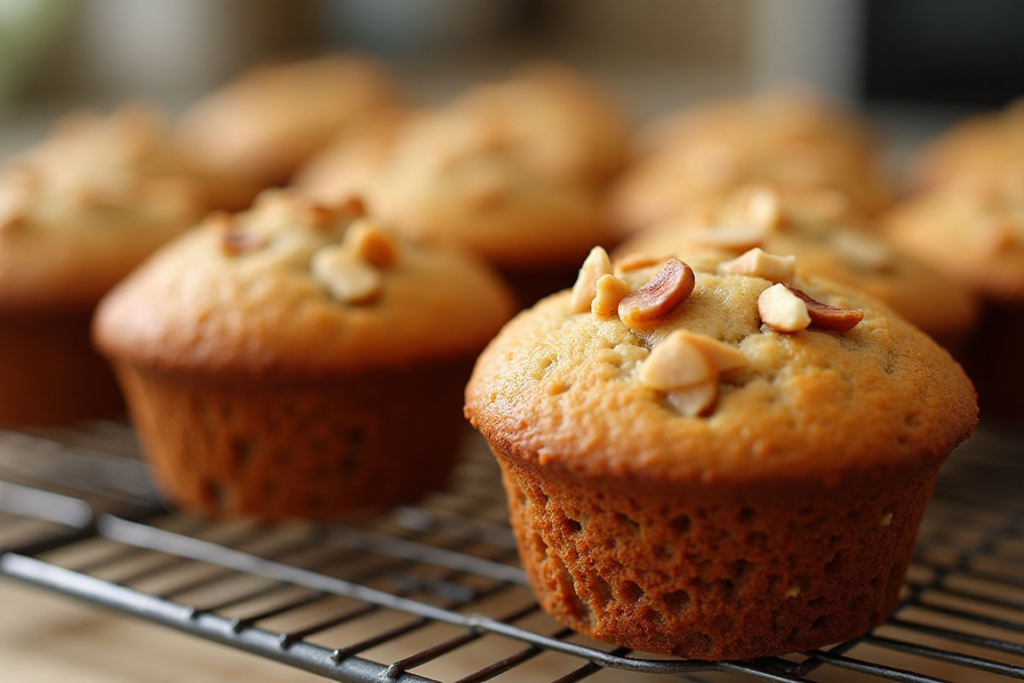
column 722, row 356
column 676, row 363
column 695, row 400
column 610, row 290
column 317, row 215
column 666, row 290
column 792, row 591
column 632, row 262
column 861, row 250
column 371, row 243
column 596, row 264
column 827, row 316
column 782, row 310
column 764, row 210
column 234, row 239
column 728, row 239
column 886, row 519
column 349, row 279
column 758, row 263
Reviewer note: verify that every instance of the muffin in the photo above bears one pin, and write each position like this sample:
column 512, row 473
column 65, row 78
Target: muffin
column 451, row 179
column 556, row 120
column 265, row 123
column 297, row 360
column 973, row 231
column 791, row 139
column 77, row 212
column 980, row 144
column 846, row 249
column 716, row 462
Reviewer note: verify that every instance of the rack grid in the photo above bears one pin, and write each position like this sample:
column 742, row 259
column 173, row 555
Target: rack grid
column 433, row 592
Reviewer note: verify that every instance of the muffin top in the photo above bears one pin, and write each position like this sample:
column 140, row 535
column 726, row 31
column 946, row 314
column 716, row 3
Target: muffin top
column 843, row 248
column 972, row 230
column 981, row 144
column 451, row 179
column 555, row 119
column 291, row 288
column 267, row 121
column 87, row 204
column 793, row 140
column 715, row 372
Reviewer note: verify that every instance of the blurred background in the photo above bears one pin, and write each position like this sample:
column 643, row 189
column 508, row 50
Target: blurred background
column 944, row 56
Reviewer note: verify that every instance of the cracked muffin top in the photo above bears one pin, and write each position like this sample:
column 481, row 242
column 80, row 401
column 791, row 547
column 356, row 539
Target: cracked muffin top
column 729, row 371
column 295, row 288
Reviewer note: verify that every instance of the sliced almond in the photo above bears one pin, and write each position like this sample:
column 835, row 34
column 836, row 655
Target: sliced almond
column 594, row 266
column 348, row 279
column 722, row 356
column 862, row 250
column 738, row 239
column 758, row 263
column 676, row 363
column 827, row 316
column 367, row 240
column 666, row 290
column 782, row 310
column 610, row 291
column 695, row 400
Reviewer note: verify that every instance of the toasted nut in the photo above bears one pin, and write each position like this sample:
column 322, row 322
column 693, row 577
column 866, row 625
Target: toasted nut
column 596, row 264
column 886, row 519
column 827, row 316
column 695, row 400
column 317, row 216
column 631, row 262
column 666, row 290
column 610, row 291
column 354, row 207
column 782, row 310
column 792, row 591
column 862, row 250
column 370, row 242
column 234, row 239
column 764, row 211
column 722, row 356
column 758, row 263
column 677, row 363
column 346, row 277
column 727, row 239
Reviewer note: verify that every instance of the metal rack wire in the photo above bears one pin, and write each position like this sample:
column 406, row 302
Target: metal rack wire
column 433, row 592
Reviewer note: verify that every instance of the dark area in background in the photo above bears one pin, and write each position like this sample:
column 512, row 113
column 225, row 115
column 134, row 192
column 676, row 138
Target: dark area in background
column 946, row 52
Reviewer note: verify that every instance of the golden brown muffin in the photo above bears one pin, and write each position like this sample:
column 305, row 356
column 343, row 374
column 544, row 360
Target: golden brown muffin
column 846, row 249
column 793, row 140
column 716, row 465
column 452, row 180
column 352, row 162
column 266, row 122
column 556, row 120
column 981, row 144
column 77, row 213
column 973, row 231
column 296, row 360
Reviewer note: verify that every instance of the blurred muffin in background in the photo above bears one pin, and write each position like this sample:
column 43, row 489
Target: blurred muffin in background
column 977, row 145
column 265, row 123
column 847, row 250
column 77, row 213
column 792, row 139
column 511, row 170
column 973, row 230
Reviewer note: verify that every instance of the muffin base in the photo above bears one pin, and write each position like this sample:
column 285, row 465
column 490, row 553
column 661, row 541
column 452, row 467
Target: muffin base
column 49, row 372
column 710, row 576
column 313, row 448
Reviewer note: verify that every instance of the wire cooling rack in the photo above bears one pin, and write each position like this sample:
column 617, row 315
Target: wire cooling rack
column 433, row 592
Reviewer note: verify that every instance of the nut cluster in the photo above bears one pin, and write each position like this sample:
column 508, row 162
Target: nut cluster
column 685, row 365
